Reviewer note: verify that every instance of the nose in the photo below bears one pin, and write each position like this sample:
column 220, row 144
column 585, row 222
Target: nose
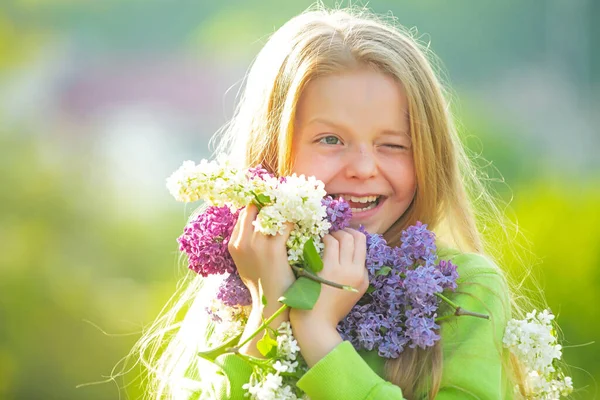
column 361, row 162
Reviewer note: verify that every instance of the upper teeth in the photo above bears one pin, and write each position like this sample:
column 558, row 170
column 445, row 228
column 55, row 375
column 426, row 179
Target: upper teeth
column 366, row 199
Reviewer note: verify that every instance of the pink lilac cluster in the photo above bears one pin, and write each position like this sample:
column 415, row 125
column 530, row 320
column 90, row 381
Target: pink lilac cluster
column 258, row 172
column 338, row 213
column 205, row 241
column 401, row 305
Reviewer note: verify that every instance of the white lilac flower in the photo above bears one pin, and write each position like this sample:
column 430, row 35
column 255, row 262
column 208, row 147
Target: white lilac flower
column 295, row 199
column 216, row 182
column 533, row 341
column 281, row 367
column 273, row 382
column 287, row 346
column 227, row 322
column 548, row 389
column 298, row 200
column 271, row 387
column 286, row 392
column 182, row 184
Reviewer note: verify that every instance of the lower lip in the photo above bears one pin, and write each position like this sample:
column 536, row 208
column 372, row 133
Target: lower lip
column 369, row 213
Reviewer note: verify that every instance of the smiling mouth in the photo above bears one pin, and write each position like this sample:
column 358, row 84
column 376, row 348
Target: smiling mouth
column 362, row 203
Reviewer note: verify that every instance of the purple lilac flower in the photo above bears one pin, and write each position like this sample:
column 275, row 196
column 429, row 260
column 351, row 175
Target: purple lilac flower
column 400, row 309
column 368, row 331
column 418, row 243
column 421, row 329
column 348, row 326
column 338, row 213
column 233, row 292
column 394, row 344
column 346, row 329
column 205, row 241
column 391, row 290
column 449, row 274
column 421, row 284
column 378, row 253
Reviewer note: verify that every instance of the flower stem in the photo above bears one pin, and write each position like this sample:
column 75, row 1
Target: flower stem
column 252, row 360
column 458, row 310
column 265, row 323
column 304, row 272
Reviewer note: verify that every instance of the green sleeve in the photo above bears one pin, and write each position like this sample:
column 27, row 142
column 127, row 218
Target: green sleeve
column 474, row 361
column 475, row 364
column 343, row 374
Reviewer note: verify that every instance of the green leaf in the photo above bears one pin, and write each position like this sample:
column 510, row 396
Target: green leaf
column 302, row 295
column 311, row 257
column 263, row 199
column 210, row 355
column 267, row 345
column 383, row 271
column 370, row 289
column 263, row 300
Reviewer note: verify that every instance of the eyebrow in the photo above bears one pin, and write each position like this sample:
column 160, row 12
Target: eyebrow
column 324, row 121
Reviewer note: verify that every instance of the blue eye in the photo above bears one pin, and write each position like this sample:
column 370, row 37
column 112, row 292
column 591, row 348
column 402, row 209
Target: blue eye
column 331, row 140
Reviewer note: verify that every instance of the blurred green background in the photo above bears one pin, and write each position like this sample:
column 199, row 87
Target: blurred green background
column 101, row 101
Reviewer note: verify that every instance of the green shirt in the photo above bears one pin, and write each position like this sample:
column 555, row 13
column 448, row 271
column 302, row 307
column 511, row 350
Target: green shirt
column 474, row 361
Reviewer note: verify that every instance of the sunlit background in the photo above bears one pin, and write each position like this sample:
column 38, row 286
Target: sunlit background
column 101, row 100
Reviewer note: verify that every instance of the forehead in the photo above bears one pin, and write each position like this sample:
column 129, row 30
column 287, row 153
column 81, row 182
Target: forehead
column 361, row 96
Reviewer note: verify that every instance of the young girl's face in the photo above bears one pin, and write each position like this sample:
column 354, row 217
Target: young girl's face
column 352, row 133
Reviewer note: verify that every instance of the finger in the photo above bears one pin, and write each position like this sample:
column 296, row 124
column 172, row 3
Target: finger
column 346, row 246
column 247, row 216
column 235, row 233
column 360, row 246
column 287, row 231
column 331, row 253
column 275, row 243
column 288, row 227
column 251, row 211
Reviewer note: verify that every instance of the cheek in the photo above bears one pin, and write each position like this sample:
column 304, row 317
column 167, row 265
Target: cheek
column 403, row 178
column 321, row 166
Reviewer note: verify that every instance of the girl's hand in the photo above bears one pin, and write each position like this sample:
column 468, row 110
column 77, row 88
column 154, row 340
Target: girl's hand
column 262, row 263
column 261, row 260
column 343, row 262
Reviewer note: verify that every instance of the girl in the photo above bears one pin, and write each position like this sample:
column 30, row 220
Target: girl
column 354, row 102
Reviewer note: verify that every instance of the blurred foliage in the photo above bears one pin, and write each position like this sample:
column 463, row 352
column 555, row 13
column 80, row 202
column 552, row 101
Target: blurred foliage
column 552, row 253
column 67, row 260
column 562, row 220
column 18, row 44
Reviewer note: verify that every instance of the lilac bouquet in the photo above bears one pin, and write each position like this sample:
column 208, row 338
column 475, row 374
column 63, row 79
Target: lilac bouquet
column 206, row 237
column 406, row 282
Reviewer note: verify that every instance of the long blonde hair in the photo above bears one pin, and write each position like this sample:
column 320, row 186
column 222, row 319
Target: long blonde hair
column 449, row 196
